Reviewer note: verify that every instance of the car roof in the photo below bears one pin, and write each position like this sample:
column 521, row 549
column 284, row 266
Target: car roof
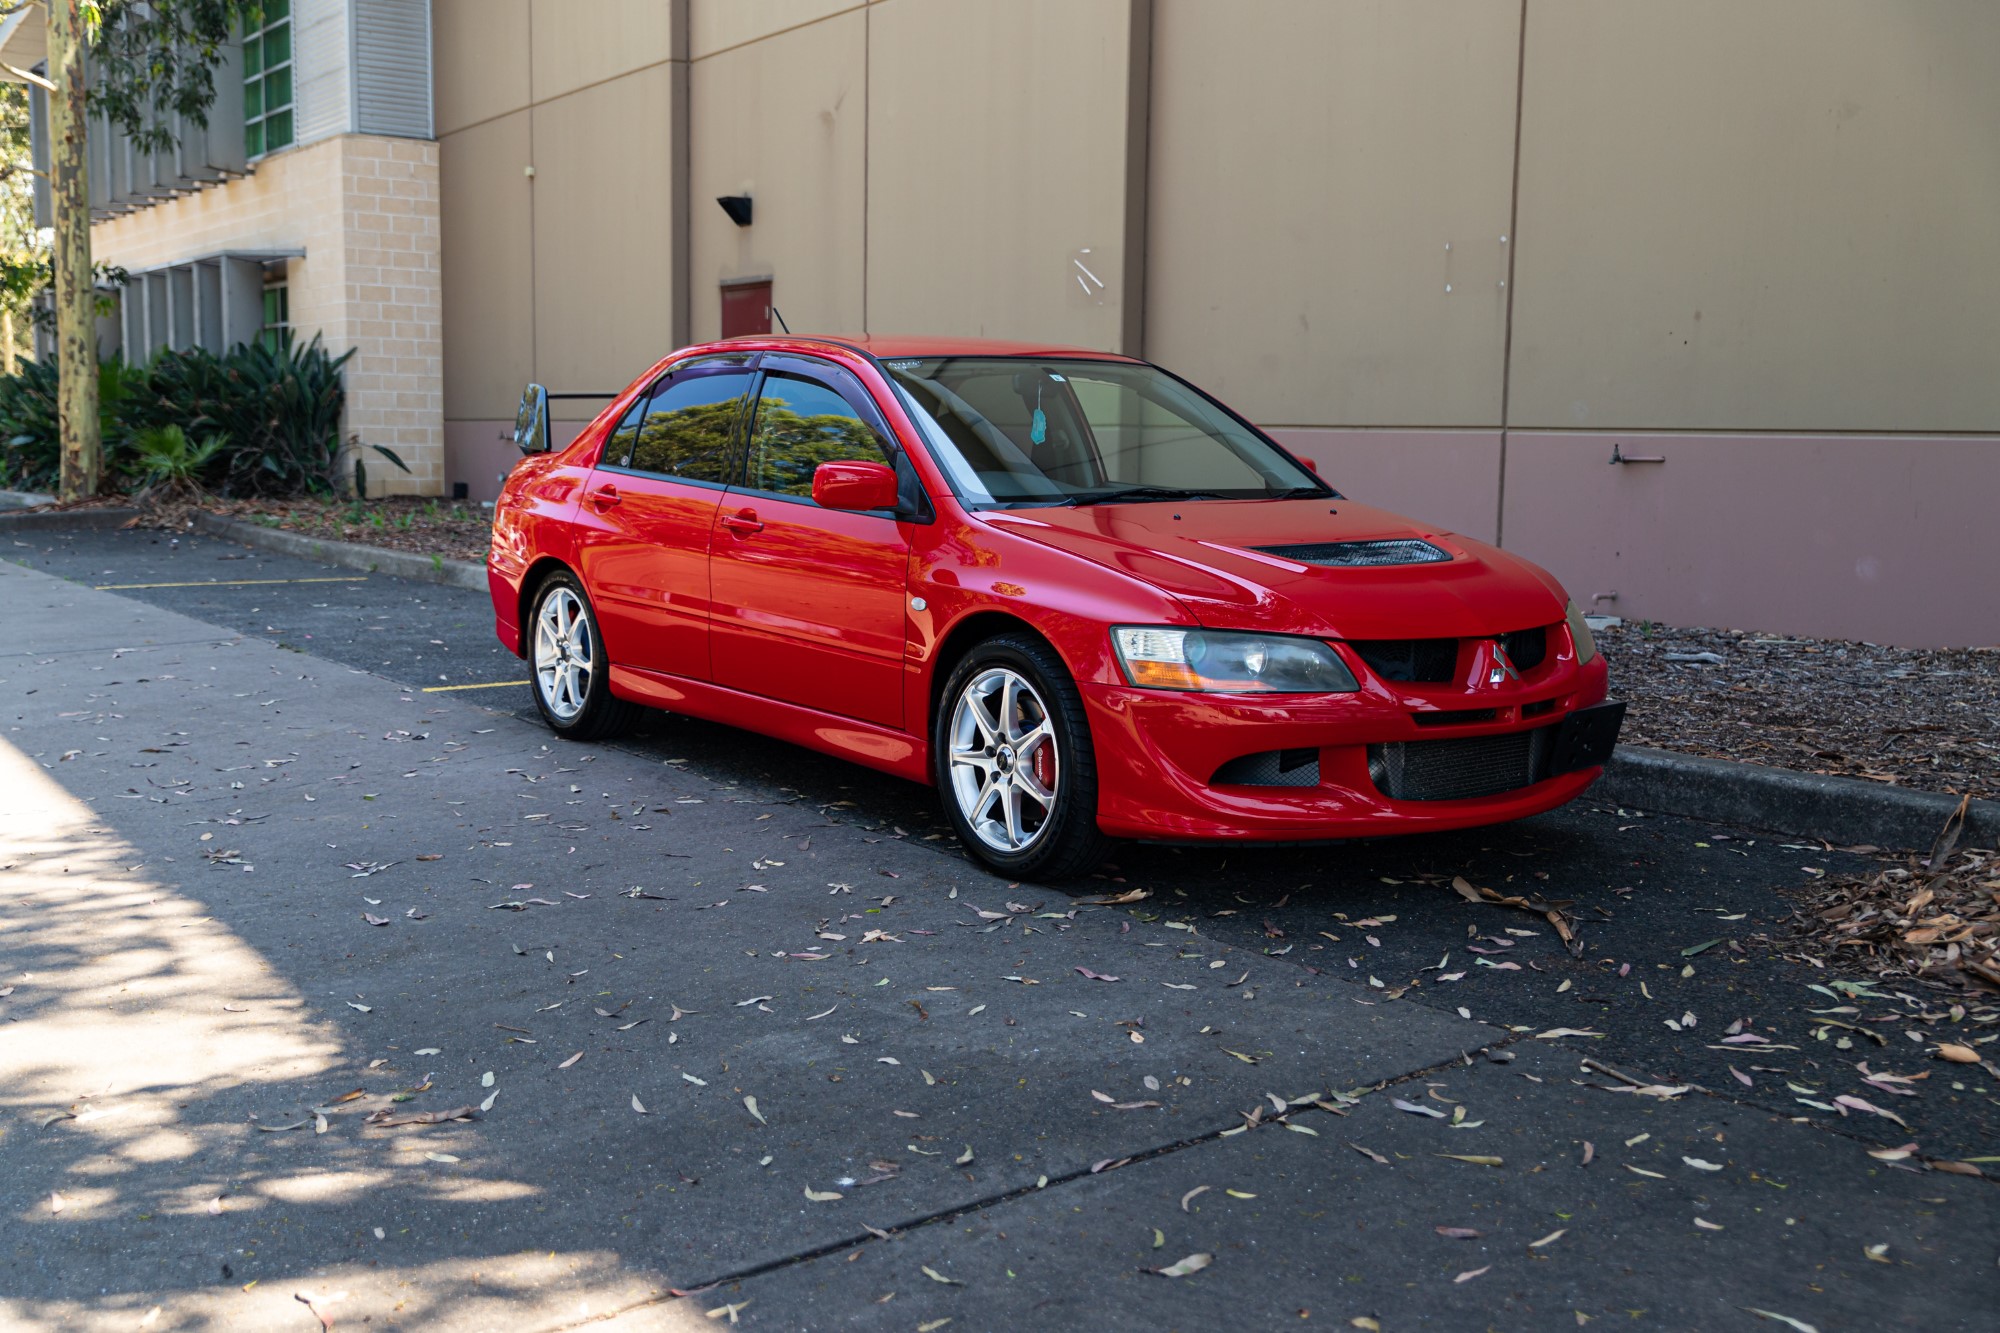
column 886, row 346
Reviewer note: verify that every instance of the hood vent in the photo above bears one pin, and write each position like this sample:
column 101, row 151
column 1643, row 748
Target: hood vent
column 1361, row 555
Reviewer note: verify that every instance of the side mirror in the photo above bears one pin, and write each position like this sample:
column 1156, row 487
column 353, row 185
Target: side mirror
column 531, row 422
column 1312, row 464
column 854, row 485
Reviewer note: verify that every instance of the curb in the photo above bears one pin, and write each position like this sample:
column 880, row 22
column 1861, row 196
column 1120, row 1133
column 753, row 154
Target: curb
column 347, row 555
column 47, row 520
column 1844, row 811
column 24, row 499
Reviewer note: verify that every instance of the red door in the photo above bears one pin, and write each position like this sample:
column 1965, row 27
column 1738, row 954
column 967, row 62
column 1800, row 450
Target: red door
column 649, row 508
column 808, row 603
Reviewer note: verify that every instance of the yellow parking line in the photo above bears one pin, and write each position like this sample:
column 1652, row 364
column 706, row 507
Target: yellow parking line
column 227, row 583
column 488, row 685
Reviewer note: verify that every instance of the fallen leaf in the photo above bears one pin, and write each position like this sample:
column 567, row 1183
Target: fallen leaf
column 964, row 1158
column 637, row 1105
column 750, row 1105
column 1554, row 1033
column 936, row 1276
column 1957, row 1054
column 1094, row 976
column 1878, row 1253
column 572, row 1060
column 1203, row 1189
column 726, row 1311
column 1472, row 1273
column 1458, row 1233
column 818, row 1196
column 1194, row 1263
column 1784, row 1319
column 388, row 1118
column 1892, row 1154
column 440, row 1157
column 1549, row 1239
column 1369, row 1153
column 1415, row 1109
column 1642, row 1171
column 698, row 1082
column 1474, row 1158
column 1707, row 1225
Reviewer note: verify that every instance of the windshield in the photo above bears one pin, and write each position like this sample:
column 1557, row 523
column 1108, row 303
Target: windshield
column 1023, row 430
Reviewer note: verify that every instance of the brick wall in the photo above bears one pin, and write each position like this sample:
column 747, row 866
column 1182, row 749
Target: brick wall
column 365, row 210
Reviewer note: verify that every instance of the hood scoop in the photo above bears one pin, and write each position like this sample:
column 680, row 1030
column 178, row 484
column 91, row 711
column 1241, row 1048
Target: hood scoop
column 1361, row 554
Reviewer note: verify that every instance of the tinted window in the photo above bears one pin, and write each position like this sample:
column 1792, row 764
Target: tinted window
column 801, row 424
column 689, row 425
column 618, row 449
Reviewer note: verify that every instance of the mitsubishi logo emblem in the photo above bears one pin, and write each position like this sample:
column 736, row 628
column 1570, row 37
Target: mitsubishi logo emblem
column 1503, row 669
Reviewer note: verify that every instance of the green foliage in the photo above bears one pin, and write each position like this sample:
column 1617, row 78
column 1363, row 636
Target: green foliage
column 154, row 60
column 163, row 457
column 30, row 442
column 276, row 411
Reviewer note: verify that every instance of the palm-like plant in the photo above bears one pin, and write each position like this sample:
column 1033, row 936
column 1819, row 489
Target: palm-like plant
column 168, row 464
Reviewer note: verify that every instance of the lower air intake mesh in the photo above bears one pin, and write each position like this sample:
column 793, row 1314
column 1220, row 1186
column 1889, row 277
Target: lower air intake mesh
column 1361, row 555
column 1460, row 770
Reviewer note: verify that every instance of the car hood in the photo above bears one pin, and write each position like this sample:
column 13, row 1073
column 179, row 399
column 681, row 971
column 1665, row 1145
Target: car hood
column 1205, row 553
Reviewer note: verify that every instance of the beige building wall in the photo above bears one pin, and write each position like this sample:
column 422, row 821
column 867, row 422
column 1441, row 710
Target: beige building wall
column 1777, row 216
column 1452, row 258
column 365, row 210
column 1006, row 165
column 1330, row 198
column 784, row 119
column 561, row 134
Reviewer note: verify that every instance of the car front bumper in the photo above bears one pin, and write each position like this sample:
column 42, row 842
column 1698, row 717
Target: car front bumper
column 1163, row 758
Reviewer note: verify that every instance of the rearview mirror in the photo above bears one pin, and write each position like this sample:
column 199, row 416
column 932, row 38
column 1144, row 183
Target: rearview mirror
column 531, row 422
column 854, row 485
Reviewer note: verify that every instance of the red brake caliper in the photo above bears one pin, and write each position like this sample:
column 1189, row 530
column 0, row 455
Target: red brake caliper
column 1045, row 765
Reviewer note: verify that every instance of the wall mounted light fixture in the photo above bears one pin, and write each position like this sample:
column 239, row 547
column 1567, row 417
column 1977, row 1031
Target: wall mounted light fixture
column 738, row 208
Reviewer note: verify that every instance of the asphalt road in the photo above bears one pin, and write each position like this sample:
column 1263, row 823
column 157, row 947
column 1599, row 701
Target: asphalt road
column 1251, row 972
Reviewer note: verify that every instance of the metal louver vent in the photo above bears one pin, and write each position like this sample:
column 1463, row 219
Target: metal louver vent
column 1361, row 555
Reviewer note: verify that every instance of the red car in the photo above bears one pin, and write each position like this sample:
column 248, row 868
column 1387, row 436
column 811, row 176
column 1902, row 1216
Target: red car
column 1080, row 596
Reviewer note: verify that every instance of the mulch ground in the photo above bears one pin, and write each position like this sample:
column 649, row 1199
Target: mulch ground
column 1922, row 718
column 451, row 530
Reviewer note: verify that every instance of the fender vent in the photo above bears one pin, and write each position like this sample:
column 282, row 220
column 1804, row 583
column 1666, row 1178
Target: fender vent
column 1361, row 555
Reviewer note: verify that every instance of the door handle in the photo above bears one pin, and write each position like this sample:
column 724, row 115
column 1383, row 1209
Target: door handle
column 743, row 522
column 604, row 497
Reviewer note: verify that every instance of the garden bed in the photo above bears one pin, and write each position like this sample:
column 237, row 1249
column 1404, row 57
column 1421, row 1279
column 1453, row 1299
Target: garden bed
column 1922, row 718
column 448, row 529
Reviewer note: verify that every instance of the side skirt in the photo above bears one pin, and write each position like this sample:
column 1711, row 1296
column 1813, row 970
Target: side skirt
column 861, row 742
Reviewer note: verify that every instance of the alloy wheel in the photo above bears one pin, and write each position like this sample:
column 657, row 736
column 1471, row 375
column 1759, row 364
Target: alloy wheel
column 1005, row 770
column 565, row 653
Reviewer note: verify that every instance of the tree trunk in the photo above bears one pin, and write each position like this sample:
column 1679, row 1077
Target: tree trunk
column 10, row 364
column 76, row 297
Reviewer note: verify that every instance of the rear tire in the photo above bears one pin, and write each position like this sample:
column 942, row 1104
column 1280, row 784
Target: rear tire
column 569, row 671
column 1013, row 762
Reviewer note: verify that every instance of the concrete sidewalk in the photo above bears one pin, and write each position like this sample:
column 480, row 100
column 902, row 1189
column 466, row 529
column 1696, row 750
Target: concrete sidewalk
column 724, row 1036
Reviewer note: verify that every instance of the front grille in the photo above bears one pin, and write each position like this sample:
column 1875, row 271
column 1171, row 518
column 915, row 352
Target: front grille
column 1460, row 770
column 1526, row 648
column 1361, row 555
column 1270, row 768
column 1423, row 661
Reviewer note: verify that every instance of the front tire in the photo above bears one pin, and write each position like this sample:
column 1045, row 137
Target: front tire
column 570, row 672
column 1014, row 764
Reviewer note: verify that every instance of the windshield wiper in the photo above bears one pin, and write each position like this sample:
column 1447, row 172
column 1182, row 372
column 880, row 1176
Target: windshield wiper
column 1142, row 493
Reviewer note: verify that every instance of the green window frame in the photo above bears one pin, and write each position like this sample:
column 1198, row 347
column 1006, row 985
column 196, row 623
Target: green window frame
column 267, row 77
column 276, row 334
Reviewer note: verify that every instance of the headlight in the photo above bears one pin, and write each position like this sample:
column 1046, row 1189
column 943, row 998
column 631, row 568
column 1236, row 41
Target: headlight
column 1196, row 659
column 1579, row 634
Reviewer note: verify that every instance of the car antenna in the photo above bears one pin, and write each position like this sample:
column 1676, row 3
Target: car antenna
column 781, row 320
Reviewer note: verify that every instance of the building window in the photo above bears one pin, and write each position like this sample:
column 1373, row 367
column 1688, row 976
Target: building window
column 267, row 77
column 276, row 335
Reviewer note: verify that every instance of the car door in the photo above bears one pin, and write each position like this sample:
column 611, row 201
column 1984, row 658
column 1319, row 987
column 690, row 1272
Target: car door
column 649, row 508
column 808, row 602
